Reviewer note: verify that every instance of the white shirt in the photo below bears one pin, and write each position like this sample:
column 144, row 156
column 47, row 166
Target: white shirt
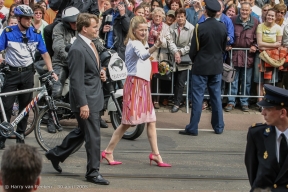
column 278, row 140
column 88, row 41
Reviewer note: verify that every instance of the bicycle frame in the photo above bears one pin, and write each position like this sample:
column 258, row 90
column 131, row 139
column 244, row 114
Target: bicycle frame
column 20, row 116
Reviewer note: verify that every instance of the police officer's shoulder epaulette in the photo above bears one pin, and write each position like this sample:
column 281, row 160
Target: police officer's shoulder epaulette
column 254, row 125
column 8, row 29
column 36, row 31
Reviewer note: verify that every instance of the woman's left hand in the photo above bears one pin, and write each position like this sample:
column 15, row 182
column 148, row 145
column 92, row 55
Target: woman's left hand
column 177, row 57
column 158, row 42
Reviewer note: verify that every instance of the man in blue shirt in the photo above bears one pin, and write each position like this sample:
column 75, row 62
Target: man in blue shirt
column 20, row 42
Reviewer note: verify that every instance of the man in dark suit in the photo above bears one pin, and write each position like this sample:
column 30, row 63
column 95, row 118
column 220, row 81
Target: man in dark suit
column 207, row 68
column 86, row 97
column 266, row 150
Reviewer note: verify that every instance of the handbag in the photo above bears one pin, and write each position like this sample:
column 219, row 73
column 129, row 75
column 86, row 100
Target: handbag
column 185, row 60
column 228, row 73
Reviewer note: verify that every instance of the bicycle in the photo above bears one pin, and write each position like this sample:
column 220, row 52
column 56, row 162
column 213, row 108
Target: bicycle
column 8, row 129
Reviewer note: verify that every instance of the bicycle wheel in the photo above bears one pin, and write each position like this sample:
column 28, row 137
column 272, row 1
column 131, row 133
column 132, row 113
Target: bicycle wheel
column 66, row 119
column 33, row 114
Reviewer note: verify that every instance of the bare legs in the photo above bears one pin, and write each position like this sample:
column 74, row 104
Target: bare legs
column 119, row 132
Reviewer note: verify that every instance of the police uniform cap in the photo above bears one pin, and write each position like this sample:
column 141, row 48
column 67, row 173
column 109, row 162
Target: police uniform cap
column 171, row 12
column 274, row 96
column 213, row 5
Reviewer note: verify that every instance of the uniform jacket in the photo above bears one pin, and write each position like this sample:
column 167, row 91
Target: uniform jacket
column 61, row 38
column 120, row 30
column 212, row 36
column 181, row 43
column 261, row 161
column 244, row 38
column 229, row 26
column 85, row 83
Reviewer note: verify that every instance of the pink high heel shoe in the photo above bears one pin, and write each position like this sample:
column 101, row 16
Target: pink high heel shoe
column 158, row 163
column 103, row 154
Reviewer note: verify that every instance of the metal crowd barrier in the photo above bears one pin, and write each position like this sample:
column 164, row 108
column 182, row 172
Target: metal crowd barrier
column 157, row 93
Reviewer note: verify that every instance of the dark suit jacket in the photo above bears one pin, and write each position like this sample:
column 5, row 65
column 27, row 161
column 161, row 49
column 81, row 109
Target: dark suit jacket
column 261, row 161
column 212, row 36
column 85, row 82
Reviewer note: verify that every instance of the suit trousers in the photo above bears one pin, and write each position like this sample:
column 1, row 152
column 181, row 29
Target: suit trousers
column 199, row 83
column 14, row 81
column 88, row 131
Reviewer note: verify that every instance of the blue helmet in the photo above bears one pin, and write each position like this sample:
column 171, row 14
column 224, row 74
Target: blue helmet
column 23, row 10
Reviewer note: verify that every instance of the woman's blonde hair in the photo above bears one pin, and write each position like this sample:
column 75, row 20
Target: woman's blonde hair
column 134, row 24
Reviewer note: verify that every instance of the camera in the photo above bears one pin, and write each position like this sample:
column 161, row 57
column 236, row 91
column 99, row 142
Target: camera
column 108, row 21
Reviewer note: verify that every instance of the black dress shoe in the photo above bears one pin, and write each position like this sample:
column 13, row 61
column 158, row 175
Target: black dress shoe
column 174, row 109
column 55, row 163
column 103, row 124
column 187, row 133
column 98, row 180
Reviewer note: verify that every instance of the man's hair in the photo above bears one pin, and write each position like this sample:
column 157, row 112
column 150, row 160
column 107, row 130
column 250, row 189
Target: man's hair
column 84, row 20
column 210, row 13
column 281, row 107
column 245, row 3
column 179, row 11
column 21, row 165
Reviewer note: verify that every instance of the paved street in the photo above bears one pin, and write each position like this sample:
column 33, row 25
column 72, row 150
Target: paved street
column 208, row 162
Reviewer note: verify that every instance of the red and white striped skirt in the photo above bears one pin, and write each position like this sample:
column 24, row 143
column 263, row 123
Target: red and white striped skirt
column 137, row 102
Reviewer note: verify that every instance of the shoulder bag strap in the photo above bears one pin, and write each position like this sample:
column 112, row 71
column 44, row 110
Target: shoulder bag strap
column 197, row 40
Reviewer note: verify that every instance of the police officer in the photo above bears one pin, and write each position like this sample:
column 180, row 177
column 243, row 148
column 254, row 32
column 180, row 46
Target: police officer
column 21, row 42
column 207, row 68
column 266, row 150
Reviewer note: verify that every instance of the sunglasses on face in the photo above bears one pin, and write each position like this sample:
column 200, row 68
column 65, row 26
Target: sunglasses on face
column 38, row 13
column 281, row 12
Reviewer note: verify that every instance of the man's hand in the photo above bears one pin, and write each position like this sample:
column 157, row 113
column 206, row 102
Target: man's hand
column 228, row 48
column 121, row 8
column 103, row 75
column 54, row 75
column 177, row 57
column 106, row 28
column 253, row 49
column 84, row 112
